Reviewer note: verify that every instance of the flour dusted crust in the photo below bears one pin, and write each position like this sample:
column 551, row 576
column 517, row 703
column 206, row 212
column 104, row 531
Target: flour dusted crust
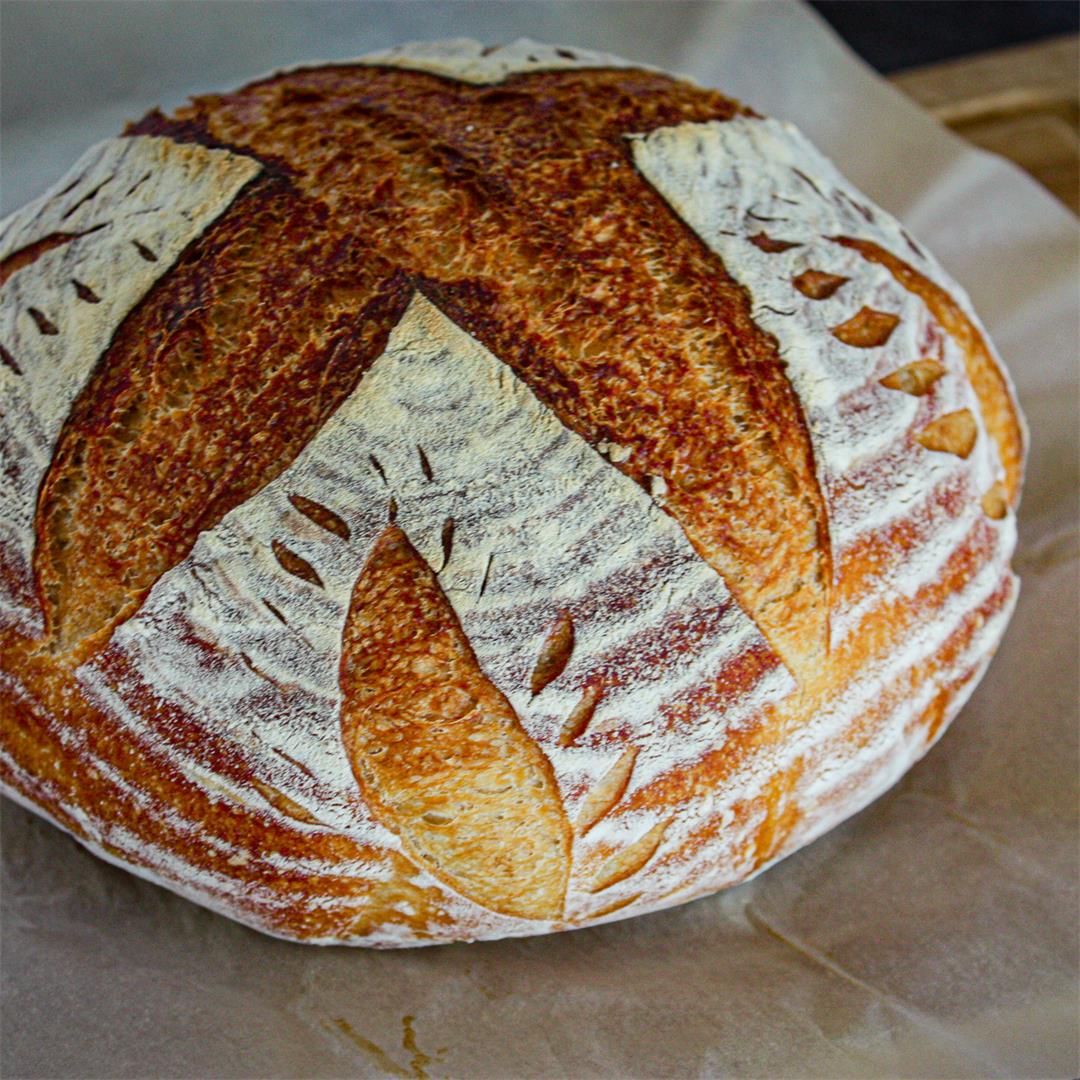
column 471, row 61
column 523, row 491
column 541, row 524
column 93, row 245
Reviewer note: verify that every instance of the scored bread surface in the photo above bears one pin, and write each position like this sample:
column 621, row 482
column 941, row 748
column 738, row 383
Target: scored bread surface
column 97, row 241
column 498, row 490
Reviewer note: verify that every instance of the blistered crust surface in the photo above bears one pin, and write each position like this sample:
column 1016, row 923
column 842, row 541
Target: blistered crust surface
column 518, row 206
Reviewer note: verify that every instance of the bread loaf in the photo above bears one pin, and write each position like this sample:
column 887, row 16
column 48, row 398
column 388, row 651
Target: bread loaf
column 471, row 492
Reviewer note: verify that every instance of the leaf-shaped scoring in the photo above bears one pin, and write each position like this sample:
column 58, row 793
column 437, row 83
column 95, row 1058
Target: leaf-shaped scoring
column 953, row 433
column 607, row 791
column 69, row 276
column 915, row 378
column 281, row 802
column 209, row 388
column 631, row 859
column 554, row 654
column 439, row 751
column 575, row 724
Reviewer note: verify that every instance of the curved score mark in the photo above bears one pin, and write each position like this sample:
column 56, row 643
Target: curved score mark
column 617, row 905
column 28, row 255
column 991, row 388
column 84, row 292
column 44, row 324
column 631, row 859
column 790, row 602
column 9, row 361
column 425, row 464
column 447, row 537
column 607, row 791
column 438, row 751
column 170, row 356
column 282, row 803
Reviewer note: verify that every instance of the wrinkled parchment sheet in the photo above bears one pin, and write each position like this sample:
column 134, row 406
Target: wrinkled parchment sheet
column 933, row 935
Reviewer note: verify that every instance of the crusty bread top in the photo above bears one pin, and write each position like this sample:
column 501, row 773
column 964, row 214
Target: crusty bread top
column 515, row 496
column 319, row 599
column 513, row 228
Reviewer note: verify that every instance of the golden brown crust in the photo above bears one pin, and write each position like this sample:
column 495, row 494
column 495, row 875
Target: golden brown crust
column 517, row 210
column 208, row 390
column 439, row 751
column 75, row 760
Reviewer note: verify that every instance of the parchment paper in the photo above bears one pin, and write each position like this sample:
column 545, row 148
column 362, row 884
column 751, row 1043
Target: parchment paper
column 933, row 935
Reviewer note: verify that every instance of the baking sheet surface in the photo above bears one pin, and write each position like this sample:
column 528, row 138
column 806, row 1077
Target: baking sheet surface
column 933, row 935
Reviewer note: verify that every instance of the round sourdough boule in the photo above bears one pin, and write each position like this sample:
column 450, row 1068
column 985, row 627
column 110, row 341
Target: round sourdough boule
column 476, row 492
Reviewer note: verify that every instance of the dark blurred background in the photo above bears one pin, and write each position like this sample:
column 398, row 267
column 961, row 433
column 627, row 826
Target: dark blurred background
column 896, row 34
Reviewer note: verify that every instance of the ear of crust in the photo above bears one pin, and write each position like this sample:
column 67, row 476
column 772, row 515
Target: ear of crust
column 439, row 751
column 80, row 257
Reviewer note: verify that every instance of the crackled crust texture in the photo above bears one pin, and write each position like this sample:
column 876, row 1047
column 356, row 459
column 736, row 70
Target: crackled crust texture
column 476, row 492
